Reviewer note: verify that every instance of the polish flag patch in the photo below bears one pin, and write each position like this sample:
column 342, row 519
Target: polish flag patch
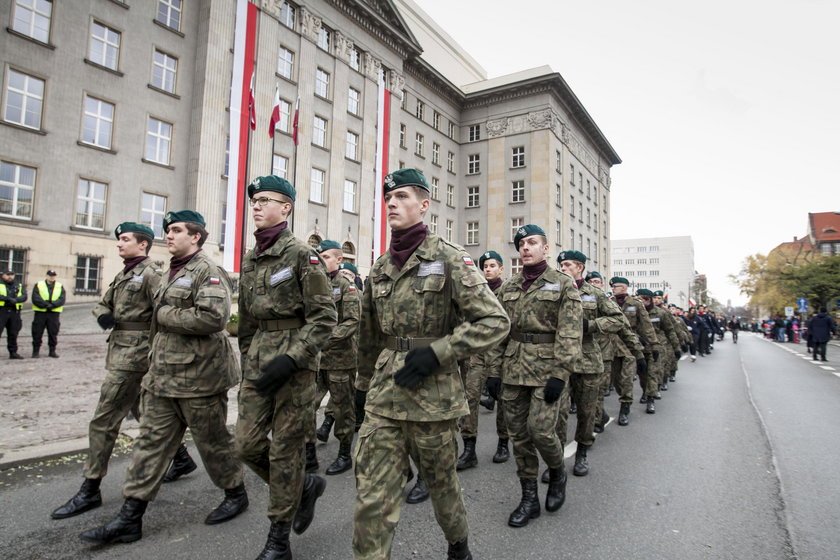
column 313, row 259
column 468, row 260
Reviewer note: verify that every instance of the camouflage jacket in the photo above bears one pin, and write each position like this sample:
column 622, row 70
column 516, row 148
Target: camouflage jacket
column 664, row 327
column 481, row 360
column 639, row 319
column 342, row 349
column 604, row 318
column 130, row 299
column 285, row 305
column 551, row 306
column 439, row 294
column 191, row 355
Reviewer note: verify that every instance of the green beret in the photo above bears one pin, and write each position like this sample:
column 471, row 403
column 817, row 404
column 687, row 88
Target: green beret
column 571, row 256
column 489, row 255
column 405, row 178
column 526, row 231
column 644, row 292
column 183, row 216
column 619, row 280
column 659, row 293
column 133, row 227
column 594, row 274
column 348, row 266
column 326, row 245
column 271, row 183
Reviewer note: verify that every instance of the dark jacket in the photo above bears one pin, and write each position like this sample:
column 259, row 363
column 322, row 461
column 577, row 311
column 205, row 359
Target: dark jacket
column 821, row 327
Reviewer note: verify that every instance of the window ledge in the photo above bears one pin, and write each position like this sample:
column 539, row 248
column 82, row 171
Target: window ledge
column 31, row 39
column 101, row 67
column 171, row 30
column 158, row 164
column 22, row 127
column 95, row 147
column 163, row 91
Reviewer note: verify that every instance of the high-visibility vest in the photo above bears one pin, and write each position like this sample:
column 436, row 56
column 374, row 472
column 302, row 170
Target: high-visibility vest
column 3, row 293
column 45, row 295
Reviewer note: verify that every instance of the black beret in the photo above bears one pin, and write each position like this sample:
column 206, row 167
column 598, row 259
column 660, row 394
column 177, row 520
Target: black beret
column 271, row 183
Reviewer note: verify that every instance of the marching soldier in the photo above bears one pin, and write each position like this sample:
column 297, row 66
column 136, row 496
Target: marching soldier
column 286, row 313
column 192, row 367
column 12, row 296
column 538, row 358
column 47, row 304
column 425, row 308
column 666, row 341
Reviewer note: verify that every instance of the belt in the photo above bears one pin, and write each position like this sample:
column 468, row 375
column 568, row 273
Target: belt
column 281, row 324
column 404, row 344
column 132, row 326
column 532, row 338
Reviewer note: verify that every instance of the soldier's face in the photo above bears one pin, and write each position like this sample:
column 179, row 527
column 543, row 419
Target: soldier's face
column 331, row 258
column 179, row 241
column 532, row 250
column 597, row 282
column 128, row 247
column 619, row 289
column 492, row 269
column 572, row 268
column 405, row 208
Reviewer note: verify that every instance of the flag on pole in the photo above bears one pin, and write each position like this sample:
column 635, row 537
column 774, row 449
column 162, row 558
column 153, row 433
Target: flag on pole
column 275, row 113
column 252, row 109
column 295, row 122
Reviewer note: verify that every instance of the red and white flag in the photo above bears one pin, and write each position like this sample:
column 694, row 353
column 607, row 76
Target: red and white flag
column 275, row 113
column 252, row 109
column 295, row 122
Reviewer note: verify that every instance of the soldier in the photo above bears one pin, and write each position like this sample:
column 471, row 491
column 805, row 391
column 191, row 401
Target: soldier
column 666, row 341
column 425, row 308
column 539, row 356
column 492, row 265
column 12, row 296
column 600, row 318
column 338, row 359
column 286, row 313
column 47, row 304
column 192, row 367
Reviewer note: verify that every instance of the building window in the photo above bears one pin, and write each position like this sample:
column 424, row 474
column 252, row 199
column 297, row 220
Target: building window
column 319, row 132
column 450, row 130
column 152, row 212
column 450, row 162
column 472, row 233
column 355, row 59
column 433, row 223
column 435, row 188
column 402, row 136
column 324, row 38
column 473, row 164
column 17, row 190
column 87, row 275
column 104, row 46
column 353, row 99
column 450, row 195
column 285, row 63
column 351, row 146
column 169, row 13
column 90, row 204
column 279, row 165
column 436, row 120
column 316, row 185
column 654, row 248
column 158, row 140
column 515, row 265
column 287, row 15
column 98, row 122
column 517, row 191
column 518, row 157
column 349, row 196
column 515, row 224
column 418, row 144
column 164, row 71
column 473, row 199
column 32, row 18
column 322, row 83
column 474, row 133
column 448, row 231
column 420, row 110
column 435, row 153
column 24, row 100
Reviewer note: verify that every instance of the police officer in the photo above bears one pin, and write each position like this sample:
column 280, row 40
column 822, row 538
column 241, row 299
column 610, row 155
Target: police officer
column 192, row 367
column 286, row 313
column 47, row 303
column 425, row 308
column 539, row 356
column 12, row 296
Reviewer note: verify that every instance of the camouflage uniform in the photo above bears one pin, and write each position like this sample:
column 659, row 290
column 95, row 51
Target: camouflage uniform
column 285, row 307
column 666, row 338
column 545, row 341
column 130, row 299
column 438, row 299
column 192, row 367
column 639, row 320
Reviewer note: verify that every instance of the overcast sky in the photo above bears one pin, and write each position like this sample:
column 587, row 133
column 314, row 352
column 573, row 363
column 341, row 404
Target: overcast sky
column 725, row 113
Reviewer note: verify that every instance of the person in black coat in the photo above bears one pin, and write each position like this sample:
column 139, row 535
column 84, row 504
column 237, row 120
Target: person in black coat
column 820, row 329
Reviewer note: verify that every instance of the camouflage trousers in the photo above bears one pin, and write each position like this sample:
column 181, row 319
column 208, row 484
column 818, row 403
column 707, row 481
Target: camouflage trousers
column 583, row 388
column 532, row 425
column 117, row 395
column 341, row 406
column 278, row 460
column 162, row 426
column 381, row 465
column 473, row 380
column 649, row 381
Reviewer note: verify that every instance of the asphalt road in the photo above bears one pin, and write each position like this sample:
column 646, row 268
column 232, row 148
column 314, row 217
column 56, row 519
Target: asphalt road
column 737, row 463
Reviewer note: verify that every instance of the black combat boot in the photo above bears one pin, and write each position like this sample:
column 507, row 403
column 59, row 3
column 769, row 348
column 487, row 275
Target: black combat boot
column 182, row 465
column 556, row 488
column 235, row 502
column 88, row 497
column 277, row 545
column 343, row 462
column 651, row 408
column 323, row 433
column 581, row 463
column 420, row 493
column 467, row 460
column 624, row 414
column 126, row 528
column 36, row 351
column 311, row 458
column 313, row 488
column 502, row 452
column 459, row 551
column 529, row 507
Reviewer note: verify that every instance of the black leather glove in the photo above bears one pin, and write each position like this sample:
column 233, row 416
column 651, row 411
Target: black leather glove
column 641, row 366
column 684, row 348
column 677, row 354
column 494, row 387
column 419, row 363
column 585, row 325
column 361, row 399
column 106, row 321
column 275, row 374
column 553, row 389
column 656, row 355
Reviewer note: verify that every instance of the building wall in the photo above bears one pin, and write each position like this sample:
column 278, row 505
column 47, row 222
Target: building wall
column 657, row 263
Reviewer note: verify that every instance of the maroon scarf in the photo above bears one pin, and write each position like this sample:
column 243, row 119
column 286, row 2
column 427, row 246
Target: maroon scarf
column 494, row 284
column 531, row 272
column 266, row 237
column 177, row 263
column 404, row 242
column 128, row 264
column 620, row 299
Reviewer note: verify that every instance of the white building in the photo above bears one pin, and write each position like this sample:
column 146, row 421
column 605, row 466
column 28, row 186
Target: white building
column 657, row 263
